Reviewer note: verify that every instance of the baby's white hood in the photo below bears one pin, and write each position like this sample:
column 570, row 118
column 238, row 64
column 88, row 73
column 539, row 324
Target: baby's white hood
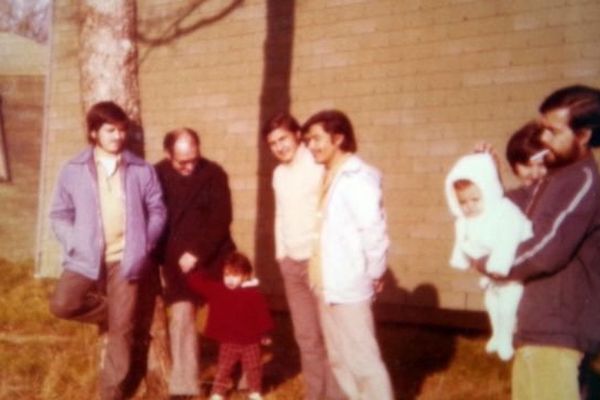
column 480, row 169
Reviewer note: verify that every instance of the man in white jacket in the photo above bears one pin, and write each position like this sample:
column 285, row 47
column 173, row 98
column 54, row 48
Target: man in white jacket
column 349, row 258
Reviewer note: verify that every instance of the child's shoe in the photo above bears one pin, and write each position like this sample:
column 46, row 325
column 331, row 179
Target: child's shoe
column 255, row 396
column 505, row 351
column 491, row 345
column 216, row 396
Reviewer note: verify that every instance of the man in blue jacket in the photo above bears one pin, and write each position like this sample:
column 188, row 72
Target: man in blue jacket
column 108, row 213
column 559, row 314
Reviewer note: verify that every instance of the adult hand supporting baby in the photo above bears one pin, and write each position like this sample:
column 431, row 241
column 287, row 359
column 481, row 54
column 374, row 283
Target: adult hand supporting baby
column 479, row 265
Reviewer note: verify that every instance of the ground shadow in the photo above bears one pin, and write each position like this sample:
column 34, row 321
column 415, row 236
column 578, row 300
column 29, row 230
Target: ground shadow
column 416, row 351
column 283, row 356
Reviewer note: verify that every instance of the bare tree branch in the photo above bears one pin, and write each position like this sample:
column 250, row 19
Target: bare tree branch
column 181, row 25
column 28, row 18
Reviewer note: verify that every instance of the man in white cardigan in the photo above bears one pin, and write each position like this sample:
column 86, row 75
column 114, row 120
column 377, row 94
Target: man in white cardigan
column 296, row 182
column 349, row 259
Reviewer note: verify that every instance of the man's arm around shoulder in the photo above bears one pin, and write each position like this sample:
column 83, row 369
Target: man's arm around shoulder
column 561, row 219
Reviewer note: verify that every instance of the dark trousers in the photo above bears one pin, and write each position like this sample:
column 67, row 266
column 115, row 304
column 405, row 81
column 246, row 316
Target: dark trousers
column 110, row 303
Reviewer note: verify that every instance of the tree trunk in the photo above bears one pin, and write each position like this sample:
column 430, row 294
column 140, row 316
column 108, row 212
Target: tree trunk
column 109, row 71
column 108, row 59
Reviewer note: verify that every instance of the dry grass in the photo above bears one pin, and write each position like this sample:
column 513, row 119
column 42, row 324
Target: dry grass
column 44, row 358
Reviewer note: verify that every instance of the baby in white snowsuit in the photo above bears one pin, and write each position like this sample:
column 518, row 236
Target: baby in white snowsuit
column 488, row 225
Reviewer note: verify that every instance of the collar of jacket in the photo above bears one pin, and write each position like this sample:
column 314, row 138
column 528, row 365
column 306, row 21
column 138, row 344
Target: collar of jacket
column 352, row 164
column 586, row 160
column 87, row 156
column 254, row 282
column 166, row 165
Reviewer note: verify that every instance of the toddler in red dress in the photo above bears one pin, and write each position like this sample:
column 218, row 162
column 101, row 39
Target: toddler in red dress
column 238, row 318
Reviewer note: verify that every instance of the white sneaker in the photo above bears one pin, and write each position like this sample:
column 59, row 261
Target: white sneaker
column 491, row 345
column 216, row 397
column 505, row 352
column 255, row 396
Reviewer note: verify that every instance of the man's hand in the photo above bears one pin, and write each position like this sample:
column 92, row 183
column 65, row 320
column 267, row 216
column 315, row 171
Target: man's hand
column 187, row 262
column 266, row 341
column 479, row 266
column 485, row 147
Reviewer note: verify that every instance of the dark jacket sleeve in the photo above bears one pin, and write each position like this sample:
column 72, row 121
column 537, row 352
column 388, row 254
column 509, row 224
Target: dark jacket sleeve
column 158, row 253
column 201, row 285
column 212, row 234
column 561, row 217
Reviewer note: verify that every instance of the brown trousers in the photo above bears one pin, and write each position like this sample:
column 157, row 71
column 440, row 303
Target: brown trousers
column 110, row 303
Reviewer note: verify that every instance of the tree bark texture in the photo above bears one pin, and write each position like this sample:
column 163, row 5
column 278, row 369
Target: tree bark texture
column 108, row 54
column 108, row 59
column 28, row 18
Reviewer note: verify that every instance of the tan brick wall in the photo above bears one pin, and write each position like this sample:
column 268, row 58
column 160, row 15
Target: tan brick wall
column 64, row 135
column 421, row 81
column 22, row 78
column 22, row 56
column 22, row 112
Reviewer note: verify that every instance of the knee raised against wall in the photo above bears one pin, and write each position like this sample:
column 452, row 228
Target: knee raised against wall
column 62, row 308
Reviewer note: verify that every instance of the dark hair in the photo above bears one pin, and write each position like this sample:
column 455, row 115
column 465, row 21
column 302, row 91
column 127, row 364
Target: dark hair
column 238, row 262
column 583, row 103
column 172, row 136
column 105, row 112
column 281, row 120
column 334, row 122
column 524, row 143
column 462, row 184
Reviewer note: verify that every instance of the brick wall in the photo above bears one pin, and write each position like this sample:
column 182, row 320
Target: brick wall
column 64, row 134
column 421, row 81
column 22, row 79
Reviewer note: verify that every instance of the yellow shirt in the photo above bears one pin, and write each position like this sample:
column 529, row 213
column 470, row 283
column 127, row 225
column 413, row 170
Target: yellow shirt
column 112, row 206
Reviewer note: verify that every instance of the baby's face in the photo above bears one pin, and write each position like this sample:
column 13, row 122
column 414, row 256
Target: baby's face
column 470, row 201
column 232, row 278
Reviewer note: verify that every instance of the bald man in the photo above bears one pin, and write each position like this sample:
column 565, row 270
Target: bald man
column 198, row 201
